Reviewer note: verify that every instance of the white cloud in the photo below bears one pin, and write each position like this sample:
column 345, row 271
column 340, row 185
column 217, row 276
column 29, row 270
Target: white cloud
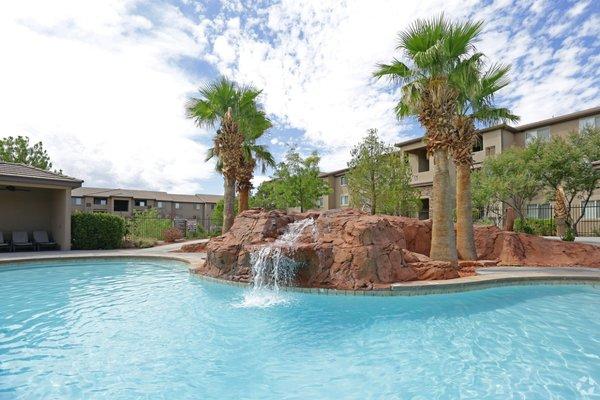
column 101, row 91
column 316, row 58
column 99, row 84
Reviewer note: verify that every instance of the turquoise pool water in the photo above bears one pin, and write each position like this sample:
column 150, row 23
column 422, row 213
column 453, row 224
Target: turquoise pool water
column 147, row 329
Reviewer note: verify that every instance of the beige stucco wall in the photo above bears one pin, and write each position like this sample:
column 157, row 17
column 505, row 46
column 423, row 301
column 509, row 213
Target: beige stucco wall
column 37, row 209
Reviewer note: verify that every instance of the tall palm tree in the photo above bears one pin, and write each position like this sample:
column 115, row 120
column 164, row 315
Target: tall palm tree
column 231, row 109
column 475, row 106
column 252, row 154
column 435, row 50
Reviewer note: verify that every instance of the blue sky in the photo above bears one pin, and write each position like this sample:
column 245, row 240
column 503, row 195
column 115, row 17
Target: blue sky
column 104, row 84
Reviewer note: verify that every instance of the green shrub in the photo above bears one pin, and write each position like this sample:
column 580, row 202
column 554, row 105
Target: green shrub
column 91, row 231
column 569, row 235
column 540, row 227
column 134, row 242
column 148, row 224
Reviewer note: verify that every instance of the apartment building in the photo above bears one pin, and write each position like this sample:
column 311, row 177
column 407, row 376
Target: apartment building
column 491, row 141
column 496, row 139
column 339, row 196
column 125, row 202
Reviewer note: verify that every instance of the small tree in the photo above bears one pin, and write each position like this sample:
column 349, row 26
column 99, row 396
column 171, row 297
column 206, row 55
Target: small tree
column 18, row 150
column 217, row 214
column 564, row 165
column 508, row 178
column 297, row 181
column 269, row 195
column 379, row 178
column 399, row 197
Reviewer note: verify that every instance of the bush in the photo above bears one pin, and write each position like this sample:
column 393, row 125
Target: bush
column 148, row 224
column 172, row 234
column 92, row 231
column 540, row 227
column 134, row 242
column 569, row 235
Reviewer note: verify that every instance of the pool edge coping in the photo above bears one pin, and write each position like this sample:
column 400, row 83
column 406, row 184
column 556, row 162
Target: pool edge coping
column 458, row 285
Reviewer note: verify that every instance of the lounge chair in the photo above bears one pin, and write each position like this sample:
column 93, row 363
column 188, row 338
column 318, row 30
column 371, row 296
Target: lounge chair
column 41, row 240
column 3, row 244
column 20, row 240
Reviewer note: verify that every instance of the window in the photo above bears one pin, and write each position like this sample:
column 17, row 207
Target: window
column 197, row 206
column 593, row 122
column 320, row 203
column 343, row 180
column 177, row 206
column 121, row 205
column 541, row 134
column 100, row 201
column 490, row 151
column 344, row 200
column 159, row 204
column 140, row 203
column 478, row 145
column 539, row 211
column 422, row 161
column 592, row 210
column 77, row 201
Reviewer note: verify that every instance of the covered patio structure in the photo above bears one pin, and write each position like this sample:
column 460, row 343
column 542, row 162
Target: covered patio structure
column 33, row 199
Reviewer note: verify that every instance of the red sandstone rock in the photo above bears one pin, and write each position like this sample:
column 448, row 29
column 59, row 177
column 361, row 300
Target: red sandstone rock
column 511, row 248
column 193, row 248
column 354, row 250
column 351, row 250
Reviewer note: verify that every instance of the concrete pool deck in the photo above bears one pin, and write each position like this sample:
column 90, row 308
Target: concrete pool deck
column 487, row 277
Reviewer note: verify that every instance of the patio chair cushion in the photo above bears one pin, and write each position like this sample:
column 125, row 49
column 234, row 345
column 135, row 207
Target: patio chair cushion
column 20, row 237
column 41, row 237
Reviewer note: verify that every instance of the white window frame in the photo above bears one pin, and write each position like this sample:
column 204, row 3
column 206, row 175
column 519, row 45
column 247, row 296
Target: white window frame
column 78, row 201
column 103, row 201
column 592, row 210
column 539, row 211
column 540, row 133
column 593, row 121
column 346, row 198
column 140, row 203
column 197, row 206
column 320, row 202
column 343, row 180
column 159, row 204
column 177, row 206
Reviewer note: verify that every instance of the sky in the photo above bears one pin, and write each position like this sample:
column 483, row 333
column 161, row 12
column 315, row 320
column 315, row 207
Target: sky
column 103, row 84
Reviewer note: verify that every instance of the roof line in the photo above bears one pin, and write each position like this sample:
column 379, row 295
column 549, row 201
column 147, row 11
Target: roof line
column 521, row 128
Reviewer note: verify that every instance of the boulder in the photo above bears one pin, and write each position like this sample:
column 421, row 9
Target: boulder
column 511, row 248
column 347, row 249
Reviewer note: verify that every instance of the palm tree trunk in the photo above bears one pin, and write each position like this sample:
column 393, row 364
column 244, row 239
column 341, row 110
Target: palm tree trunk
column 443, row 238
column 243, row 201
column 229, row 202
column 465, row 236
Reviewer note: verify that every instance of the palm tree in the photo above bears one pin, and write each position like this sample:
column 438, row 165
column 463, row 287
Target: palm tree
column 252, row 154
column 475, row 106
column 232, row 110
column 435, row 49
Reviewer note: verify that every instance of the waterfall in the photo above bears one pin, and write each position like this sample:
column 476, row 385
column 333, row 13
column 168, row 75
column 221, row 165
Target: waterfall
column 271, row 268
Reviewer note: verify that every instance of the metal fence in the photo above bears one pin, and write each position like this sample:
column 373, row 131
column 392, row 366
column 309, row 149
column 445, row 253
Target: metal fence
column 587, row 225
column 586, row 219
column 155, row 227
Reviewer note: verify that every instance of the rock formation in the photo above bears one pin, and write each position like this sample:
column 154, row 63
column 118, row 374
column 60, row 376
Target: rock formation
column 349, row 249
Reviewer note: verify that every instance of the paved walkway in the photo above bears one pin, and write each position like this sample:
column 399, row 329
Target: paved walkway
column 167, row 250
column 581, row 239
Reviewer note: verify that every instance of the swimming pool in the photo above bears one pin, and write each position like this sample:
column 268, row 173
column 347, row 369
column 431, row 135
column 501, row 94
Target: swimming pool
column 123, row 329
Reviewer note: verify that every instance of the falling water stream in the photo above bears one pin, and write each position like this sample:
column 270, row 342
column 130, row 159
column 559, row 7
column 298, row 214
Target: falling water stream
column 272, row 268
